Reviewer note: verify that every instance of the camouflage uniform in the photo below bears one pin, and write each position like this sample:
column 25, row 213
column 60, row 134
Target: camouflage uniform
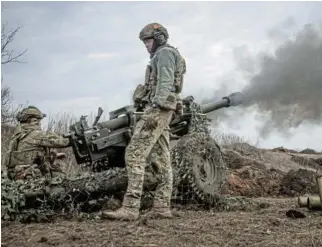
column 29, row 153
column 158, row 97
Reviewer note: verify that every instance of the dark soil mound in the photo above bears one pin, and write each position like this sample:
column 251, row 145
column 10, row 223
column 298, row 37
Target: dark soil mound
column 296, row 183
column 308, row 151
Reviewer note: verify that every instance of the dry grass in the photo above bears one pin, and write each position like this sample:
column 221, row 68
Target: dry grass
column 60, row 124
column 226, row 139
column 283, row 161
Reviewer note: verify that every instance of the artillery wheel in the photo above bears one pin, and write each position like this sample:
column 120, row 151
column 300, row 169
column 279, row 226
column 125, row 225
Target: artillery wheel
column 199, row 169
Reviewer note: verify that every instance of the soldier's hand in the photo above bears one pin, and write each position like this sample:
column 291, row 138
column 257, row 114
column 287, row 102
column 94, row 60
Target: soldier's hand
column 179, row 109
column 179, row 112
column 152, row 118
column 151, row 123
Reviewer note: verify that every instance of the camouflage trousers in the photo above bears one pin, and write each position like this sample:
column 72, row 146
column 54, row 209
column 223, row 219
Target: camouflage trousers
column 150, row 146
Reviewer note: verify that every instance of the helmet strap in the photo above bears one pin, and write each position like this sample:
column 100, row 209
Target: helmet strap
column 155, row 46
column 157, row 42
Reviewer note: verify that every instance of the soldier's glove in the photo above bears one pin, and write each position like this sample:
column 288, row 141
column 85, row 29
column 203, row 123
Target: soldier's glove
column 152, row 118
column 151, row 123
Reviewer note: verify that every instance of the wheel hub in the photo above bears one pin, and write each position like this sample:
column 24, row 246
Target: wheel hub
column 205, row 170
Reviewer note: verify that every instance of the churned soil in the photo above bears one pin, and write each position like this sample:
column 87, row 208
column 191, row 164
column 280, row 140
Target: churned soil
column 265, row 173
column 269, row 226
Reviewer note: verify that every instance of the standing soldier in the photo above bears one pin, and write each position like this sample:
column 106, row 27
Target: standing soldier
column 159, row 100
column 29, row 154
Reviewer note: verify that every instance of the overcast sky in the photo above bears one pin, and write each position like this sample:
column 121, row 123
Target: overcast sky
column 82, row 55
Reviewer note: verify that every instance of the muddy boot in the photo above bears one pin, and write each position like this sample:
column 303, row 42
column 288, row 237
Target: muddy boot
column 130, row 210
column 159, row 213
column 123, row 213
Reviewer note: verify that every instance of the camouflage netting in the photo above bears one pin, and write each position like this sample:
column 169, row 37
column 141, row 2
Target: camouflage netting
column 23, row 199
column 60, row 195
column 42, row 200
column 199, row 122
column 200, row 170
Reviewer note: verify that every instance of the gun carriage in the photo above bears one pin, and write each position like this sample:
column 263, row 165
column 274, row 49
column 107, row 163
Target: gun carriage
column 196, row 158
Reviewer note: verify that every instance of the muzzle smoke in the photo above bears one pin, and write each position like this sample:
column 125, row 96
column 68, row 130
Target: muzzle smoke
column 288, row 86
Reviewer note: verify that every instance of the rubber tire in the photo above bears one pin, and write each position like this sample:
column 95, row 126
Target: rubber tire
column 191, row 154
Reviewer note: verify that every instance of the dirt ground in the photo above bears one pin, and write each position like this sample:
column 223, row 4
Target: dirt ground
column 268, row 226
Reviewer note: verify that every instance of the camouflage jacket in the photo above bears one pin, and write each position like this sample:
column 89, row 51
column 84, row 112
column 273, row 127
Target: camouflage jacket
column 30, row 145
column 163, row 79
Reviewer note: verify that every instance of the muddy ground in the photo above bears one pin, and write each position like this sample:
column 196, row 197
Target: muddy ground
column 268, row 226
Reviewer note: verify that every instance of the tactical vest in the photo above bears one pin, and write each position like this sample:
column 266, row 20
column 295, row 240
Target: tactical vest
column 10, row 159
column 144, row 93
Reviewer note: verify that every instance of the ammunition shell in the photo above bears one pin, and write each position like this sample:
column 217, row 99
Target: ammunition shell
column 303, row 201
column 319, row 184
column 314, row 202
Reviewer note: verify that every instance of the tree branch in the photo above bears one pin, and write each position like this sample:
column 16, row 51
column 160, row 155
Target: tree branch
column 7, row 54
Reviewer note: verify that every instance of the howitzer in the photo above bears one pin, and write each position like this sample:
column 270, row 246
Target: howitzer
column 103, row 144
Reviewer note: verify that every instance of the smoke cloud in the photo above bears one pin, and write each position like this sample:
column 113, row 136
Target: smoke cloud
column 289, row 84
column 286, row 91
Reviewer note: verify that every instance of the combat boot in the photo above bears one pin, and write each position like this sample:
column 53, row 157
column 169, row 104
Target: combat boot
column 123, row 213
column 159, row 213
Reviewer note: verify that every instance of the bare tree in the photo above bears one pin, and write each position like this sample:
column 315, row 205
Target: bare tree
column 5, row 104
column 7, row 54
column 8, row 111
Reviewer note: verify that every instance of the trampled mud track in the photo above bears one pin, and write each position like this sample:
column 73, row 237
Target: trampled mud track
column 268, row 226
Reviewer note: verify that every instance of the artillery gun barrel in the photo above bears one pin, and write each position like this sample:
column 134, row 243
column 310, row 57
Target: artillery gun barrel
column 116, row 123
column 231, row 100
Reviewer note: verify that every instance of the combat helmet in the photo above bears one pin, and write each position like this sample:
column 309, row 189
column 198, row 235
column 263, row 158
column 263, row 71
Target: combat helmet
column 30, row 111
column 156, row 31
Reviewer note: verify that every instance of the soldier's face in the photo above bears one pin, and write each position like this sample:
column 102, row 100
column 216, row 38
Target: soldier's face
column 34, row 121
column 148, row 44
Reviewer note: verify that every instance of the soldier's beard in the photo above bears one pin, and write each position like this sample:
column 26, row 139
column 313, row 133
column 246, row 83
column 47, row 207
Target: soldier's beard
column 154, row 48
column 156, row 45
